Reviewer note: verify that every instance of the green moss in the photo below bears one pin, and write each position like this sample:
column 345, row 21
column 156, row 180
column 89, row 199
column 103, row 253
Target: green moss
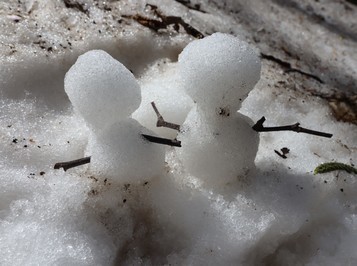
column 334, row 166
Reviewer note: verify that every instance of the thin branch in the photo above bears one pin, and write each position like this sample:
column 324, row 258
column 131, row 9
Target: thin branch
column 288, row 67
column 295, row 127
column 189, row 5
column 164, row 22
column 71, row 164
column 76, row 5
column 164, row 141
column 161, row 122
column 85, row 160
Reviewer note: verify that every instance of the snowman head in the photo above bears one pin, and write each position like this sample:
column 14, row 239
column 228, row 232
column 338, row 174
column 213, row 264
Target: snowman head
column 219, row 71
column 101, row 89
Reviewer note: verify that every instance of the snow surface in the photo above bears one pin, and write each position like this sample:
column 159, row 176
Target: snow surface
column 281, row 215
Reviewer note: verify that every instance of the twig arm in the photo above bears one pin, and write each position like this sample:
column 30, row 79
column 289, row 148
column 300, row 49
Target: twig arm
column 295, row 127
column 85, row 160
column 164, row 141
column 161, row 122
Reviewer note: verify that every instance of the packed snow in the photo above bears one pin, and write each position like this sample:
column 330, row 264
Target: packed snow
column 219, row 145
column 101, row 89
column 105, row 93
column 223, row 198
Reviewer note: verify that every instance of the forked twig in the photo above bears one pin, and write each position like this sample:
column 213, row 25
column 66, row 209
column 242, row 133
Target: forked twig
column 295, row 127
column 161, row 121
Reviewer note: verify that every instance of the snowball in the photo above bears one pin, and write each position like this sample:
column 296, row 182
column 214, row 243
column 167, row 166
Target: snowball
column 218, row 153
column 219, row 71
column 122, row 154
column 102, row 89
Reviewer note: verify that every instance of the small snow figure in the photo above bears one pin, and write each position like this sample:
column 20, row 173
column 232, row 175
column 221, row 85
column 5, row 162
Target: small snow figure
column 218, row 143
column 105, row 93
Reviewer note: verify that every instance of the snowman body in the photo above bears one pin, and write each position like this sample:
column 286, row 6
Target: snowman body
column 220, row 152
column 121, row 152
column 105, row 93
column 218, row 144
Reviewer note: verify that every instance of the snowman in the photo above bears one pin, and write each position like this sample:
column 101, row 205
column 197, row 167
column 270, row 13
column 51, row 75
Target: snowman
column 105, row 93
column 218, row 143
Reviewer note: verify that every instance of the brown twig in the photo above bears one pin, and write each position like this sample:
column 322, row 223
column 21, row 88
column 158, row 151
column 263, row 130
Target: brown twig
column 288, row 68
column 295, row 127
column 163, row 141
column 161, row 122
column 164, row 21
column 76, row 5
column 283, row 153
column 189, row 5
column 85, row 160
column 71, row 164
